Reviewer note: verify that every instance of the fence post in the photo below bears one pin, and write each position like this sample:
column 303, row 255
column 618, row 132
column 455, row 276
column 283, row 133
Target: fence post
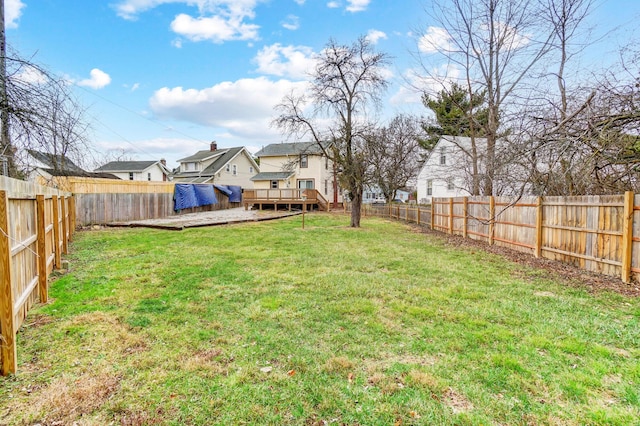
column 42, row 249
column 65, row 225
column 72, row 216
column 627, row 236
column 56, row 230
column 465, row 219
column 451, row 215
column 7, row 326
column 539, row 222
column 433, row 210
column 492, row 218
column 418, row 215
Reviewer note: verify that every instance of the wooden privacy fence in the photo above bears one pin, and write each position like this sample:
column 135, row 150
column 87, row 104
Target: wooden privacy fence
column 36, row 224
column 407, row 212
column 102, row 201
column 596, row 233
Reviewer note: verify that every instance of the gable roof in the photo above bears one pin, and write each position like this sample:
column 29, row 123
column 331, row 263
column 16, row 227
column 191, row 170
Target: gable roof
column 460, row 142
column 203, row 155
column 55, row 161
column 126, row 166
column 292, row 148
column 224, row 155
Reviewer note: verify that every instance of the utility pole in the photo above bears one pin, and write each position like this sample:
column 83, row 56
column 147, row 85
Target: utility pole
column 6, row 149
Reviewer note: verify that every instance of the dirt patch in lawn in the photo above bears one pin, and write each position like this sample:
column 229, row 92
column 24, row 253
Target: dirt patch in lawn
column 571, row 275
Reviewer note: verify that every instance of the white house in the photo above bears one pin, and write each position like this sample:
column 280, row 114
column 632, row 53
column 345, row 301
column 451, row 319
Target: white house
column 225, row 166
column 301, row 165
column 154, row 171
column 447, row 170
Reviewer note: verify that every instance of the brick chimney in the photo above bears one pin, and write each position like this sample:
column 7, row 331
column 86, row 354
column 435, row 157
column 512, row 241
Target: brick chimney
column 214, row 146
column 163, row 162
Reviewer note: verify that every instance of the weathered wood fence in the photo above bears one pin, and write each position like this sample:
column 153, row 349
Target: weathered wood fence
column 102, row 201
column 36, row 224
column 595, row 233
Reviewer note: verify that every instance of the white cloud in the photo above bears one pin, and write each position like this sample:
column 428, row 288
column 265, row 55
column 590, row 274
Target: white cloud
column 417, row 83
column 31, row 75
column 244, row 107
column 217, row 20
column 285, row 61
column 292, row 23
column 97, row 80
column 357, row 5
column 435, row 40
column 12, row 12
column 215, row 28
column 352, row 5
column 374, row 36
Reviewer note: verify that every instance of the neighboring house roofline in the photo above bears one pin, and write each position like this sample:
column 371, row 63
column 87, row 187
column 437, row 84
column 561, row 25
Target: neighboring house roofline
column 263, row 176
column 130, row 166
column 293, row 148
column 226, row 156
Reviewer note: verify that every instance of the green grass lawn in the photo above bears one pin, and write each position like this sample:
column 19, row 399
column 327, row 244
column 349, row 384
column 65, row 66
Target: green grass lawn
column 267, row 323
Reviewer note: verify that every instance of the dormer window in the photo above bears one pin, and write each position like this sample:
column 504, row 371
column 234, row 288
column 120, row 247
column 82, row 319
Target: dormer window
column 190, row 167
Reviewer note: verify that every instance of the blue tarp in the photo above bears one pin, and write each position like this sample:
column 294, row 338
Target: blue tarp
column 224, row 189
column 193, row 195
column 234, row 192
column 205, row 194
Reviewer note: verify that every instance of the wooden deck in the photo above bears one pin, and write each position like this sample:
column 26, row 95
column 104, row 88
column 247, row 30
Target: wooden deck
column 303, row 199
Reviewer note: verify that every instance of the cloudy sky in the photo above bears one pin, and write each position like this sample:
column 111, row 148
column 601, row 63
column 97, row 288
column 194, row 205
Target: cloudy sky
column 163, row 78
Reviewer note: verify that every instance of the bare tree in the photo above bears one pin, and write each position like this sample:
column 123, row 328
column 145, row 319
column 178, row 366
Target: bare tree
column 346, row 86
column 394, row 152
column 491, row 44
column 43, row 115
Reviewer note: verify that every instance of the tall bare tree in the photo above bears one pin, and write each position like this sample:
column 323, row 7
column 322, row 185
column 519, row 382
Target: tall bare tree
column 346, row 87
column 394, row 152
column 491, row 44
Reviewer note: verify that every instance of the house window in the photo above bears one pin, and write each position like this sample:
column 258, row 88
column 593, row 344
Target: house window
column 189, row 167
column 149, row 176
column 235, row 170
column 450, row 185
column 443, row 156
column 130, row 175
column 326, row 187
column 305, row 184
column 326, row 163
column 430, row 187
column 250, row 169
column 228, row 168
column 274, row 184
column 304, row 161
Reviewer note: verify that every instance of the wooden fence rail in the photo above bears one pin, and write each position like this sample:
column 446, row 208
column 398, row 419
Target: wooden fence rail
column 103, row 201
column 596, row 233
column 36, row 224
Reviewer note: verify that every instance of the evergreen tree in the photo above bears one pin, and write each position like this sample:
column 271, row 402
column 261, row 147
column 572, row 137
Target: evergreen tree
column 456, row 114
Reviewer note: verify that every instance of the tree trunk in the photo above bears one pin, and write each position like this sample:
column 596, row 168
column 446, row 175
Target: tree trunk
column 356, row 209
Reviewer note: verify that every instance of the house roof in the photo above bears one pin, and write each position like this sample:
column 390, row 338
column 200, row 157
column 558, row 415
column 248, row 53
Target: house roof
column 203, row 155
column 224, row 156
column 56, row 162
column 293, row 148
column 272, row 176
column 126, row 166
column 59, row 165
column 462, row 142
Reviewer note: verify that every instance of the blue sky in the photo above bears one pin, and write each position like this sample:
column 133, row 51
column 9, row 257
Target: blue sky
column 163, row 78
